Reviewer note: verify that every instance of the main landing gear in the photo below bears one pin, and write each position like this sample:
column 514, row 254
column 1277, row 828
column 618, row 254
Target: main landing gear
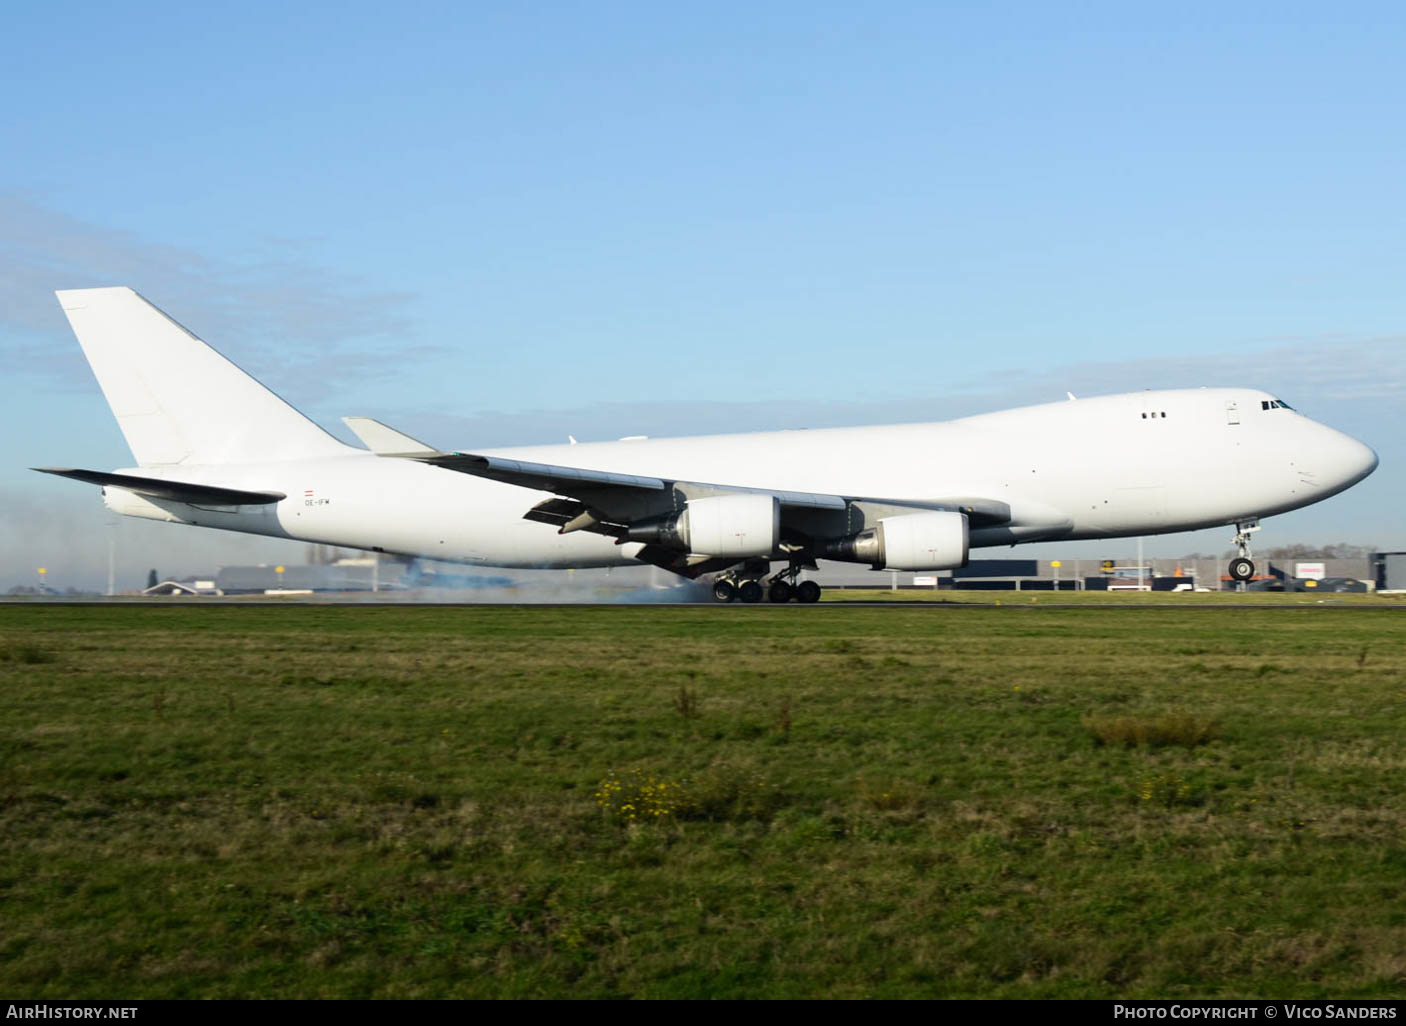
column 731, row 588
column 749, row 583
column 1242, row 567
column 742, row 583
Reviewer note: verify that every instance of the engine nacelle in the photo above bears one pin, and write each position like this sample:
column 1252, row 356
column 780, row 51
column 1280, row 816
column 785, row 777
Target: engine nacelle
column 912, row 541
column 733, row 526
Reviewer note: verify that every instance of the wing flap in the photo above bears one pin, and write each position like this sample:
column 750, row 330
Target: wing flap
column 568, row 515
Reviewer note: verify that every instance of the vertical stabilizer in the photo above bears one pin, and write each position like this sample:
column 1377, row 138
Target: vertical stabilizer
column 176, row 399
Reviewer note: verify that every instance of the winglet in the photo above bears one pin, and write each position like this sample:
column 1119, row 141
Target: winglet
column 384, row 441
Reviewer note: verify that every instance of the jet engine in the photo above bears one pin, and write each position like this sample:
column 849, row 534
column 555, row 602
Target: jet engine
column 912, row 541
column 736, row 526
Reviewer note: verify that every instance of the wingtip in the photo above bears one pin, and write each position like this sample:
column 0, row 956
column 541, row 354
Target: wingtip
column 384, row 440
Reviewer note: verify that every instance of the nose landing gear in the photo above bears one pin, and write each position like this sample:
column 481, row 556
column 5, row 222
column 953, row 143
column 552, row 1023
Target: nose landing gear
column 1242, row 567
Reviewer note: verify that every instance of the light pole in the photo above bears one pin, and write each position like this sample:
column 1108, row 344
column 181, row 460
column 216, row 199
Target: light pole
column 112, row 557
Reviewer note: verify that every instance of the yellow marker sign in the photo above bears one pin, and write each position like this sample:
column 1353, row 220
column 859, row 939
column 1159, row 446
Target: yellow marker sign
column 42, row 570
column 278, row 569
column 1056, row 563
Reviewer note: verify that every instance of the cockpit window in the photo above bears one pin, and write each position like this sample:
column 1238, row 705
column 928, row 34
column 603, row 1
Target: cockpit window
column 1274, row 404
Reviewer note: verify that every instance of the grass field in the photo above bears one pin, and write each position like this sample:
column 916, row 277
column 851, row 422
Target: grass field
column 1018, row 801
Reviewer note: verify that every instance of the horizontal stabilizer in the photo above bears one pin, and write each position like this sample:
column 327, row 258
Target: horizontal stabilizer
column 178, row 491
column 383, row 440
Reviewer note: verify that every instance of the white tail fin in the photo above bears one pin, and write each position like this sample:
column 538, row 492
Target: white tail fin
column 176, row 399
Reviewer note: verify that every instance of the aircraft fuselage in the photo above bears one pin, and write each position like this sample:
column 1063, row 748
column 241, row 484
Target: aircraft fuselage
column 1114, row 466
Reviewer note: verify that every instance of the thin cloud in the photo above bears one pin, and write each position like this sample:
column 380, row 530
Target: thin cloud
column 1311, row 372
column 1318, row 368
column 279, row 311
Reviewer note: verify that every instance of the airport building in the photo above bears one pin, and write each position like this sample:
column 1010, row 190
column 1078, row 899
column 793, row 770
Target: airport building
column 367, row 575
column 1389, row 571
column 1176, row 574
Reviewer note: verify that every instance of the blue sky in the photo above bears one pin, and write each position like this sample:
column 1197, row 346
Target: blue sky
column 493, row 224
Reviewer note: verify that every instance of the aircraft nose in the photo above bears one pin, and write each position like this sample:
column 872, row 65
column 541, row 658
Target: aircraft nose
column 1366, row 458
column 1352, row 461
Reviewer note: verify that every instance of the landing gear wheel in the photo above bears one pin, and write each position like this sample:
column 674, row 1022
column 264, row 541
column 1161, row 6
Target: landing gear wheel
column 780, row 592
column 1241, row 567
column 724, row 591
column 750, row 591
column 807, row 591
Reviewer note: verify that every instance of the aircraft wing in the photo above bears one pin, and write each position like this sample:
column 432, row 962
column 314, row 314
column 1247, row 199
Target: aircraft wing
column 549, row 477
column 544, row 477
column 605, row 501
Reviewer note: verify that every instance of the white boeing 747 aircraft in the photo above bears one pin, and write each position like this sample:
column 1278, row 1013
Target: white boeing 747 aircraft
column 215, row 448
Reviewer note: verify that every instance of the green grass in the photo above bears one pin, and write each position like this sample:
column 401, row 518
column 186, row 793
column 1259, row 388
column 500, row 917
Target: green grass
column 404, row 802
column 1165, row 729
